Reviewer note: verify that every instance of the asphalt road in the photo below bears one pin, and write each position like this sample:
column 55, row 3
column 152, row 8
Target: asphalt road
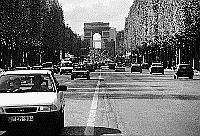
column 132, row 104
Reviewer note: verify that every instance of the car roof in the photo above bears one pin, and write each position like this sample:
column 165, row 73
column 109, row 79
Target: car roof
column 27, row 72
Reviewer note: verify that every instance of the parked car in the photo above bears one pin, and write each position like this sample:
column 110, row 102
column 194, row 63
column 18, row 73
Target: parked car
column 49, row 66
column 156, row 68
column 111, row 65
column 145, row 66
column 90, row 67
column 99, row 64
column 23, row 106
column 120, row 67
column 184, row 70
column 136, row 68
column 80, row 72
column 38, row 67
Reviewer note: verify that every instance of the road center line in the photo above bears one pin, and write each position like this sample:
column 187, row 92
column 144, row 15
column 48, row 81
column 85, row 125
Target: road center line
column 89, row 130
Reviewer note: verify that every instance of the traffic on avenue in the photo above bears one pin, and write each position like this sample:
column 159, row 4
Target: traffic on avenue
column 124, row 103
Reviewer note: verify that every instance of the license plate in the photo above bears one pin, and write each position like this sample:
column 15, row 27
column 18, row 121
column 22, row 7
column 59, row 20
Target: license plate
column 20, row 119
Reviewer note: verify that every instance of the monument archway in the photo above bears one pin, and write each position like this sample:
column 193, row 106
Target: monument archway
column 96, row 27
column 97, row 41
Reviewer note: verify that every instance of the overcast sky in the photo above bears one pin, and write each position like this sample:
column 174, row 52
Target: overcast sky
column 78, row 12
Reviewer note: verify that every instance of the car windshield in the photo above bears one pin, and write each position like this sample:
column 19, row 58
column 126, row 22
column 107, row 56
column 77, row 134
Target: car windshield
column 25, row 83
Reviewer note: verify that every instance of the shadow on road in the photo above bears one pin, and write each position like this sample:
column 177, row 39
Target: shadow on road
column 153, row 96
column 67, row 131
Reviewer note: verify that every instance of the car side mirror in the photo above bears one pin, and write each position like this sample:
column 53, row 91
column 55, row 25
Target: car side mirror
column 62, row 88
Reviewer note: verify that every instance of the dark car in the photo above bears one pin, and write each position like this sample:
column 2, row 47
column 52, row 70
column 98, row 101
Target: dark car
column 80, row 72
column 156, row 68
column 120, row 67
column 90, row 67
column 145, row 66
column 111, row 65
column 136, row 68
column 49, row 66
column 184, row 70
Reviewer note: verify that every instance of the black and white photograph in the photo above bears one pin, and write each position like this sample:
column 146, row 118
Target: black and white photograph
column 100, row 67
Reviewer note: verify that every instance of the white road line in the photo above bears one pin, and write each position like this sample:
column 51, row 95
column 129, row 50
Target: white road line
column 89, row 130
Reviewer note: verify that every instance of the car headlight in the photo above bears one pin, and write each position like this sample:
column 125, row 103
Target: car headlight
column 47, row 108
column 1, row 110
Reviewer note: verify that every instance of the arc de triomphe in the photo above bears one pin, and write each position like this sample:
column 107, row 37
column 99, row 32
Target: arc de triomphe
column 96, row 27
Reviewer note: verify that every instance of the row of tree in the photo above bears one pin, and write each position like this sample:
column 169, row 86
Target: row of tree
column 184, row 45
column 34, row 31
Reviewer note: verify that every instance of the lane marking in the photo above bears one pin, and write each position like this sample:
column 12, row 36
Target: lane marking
column 89, row 130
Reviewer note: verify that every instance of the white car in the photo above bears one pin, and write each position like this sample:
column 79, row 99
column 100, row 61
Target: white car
column 156, row 68
column 22, row 106
column 66, row 67
column 119, row 69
